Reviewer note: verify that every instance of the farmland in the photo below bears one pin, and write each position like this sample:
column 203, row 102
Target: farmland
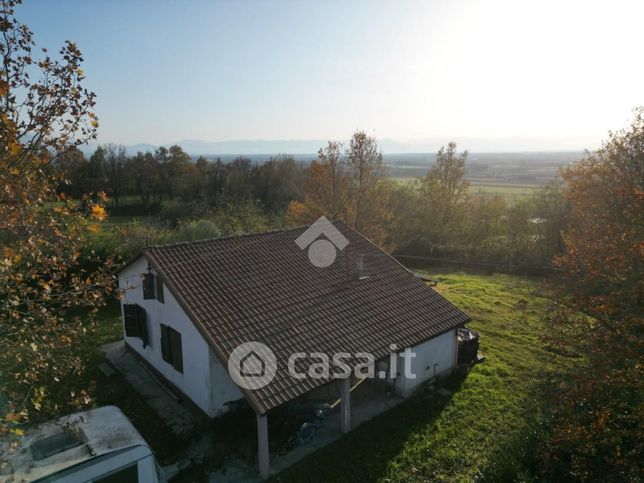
column 512, row 176
column 482, row 187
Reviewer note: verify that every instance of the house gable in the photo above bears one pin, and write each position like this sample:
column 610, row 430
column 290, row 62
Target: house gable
column 195, row 379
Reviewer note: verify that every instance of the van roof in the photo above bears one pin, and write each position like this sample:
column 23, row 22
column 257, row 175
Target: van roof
column 57, row 445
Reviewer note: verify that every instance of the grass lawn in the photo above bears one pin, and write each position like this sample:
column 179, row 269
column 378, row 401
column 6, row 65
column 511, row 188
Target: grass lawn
column 465, row 435
column 115, row 390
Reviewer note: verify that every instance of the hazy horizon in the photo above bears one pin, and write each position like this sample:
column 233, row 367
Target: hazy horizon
column 507, row 76
column 310, row 147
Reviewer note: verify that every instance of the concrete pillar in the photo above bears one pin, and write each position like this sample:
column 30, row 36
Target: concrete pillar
column 345, row 404
column 455, row 354
column 262, row 446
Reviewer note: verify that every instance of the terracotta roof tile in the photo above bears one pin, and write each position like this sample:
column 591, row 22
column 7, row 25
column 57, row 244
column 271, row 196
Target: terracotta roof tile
column 264, row 288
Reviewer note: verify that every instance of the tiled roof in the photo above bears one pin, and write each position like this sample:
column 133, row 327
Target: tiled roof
column 264, row 288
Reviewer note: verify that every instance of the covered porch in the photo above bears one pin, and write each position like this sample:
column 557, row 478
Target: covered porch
column 289, row 433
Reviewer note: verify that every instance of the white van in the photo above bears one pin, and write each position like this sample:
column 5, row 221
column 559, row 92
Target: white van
column 100, row 446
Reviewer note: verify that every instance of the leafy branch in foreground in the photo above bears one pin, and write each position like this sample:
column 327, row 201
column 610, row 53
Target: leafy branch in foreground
column 44, row 272
column 597, row 410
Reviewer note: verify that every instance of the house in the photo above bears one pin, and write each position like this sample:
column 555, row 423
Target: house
column 188, row 306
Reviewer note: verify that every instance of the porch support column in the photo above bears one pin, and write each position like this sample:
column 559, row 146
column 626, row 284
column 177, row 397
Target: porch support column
column 262, row 446
column 455, row 349
column 345, row 405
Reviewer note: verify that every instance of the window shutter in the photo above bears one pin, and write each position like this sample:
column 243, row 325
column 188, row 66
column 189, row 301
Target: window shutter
column 142, row 324
column 130, row 313
column 160, row 290
column 148, row 286
column 177, row 355
column 165, row 344
column 171, row 350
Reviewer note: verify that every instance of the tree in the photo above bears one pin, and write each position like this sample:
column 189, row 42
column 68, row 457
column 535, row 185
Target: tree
column 483, row 228
column 180, row 172
column 45, row 112
column 326, row 188
column 144, row 171
column 597, row 416
column 447, row 180
column 216, row 181
column 239, row 180
column 443, row 195
column 73, row 166
column 201, row 176
column 277, row 182
column 350, row 184
column 95, row 179
column 551, row 213
column 368, row 177
column 114, row 164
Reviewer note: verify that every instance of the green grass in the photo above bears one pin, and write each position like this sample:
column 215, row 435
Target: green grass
column 115, row 390
column 120, row 221
column 463, row 436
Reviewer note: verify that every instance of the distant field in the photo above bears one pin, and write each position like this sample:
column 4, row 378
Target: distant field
column 502, row 189
column 511, row 191
column 404, row 179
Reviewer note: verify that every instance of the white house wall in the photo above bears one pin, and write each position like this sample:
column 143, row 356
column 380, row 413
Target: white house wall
column 222, row 388
column 202, row 379
column 434, row 358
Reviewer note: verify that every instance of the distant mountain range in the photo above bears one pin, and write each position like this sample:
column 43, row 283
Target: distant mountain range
column 306, row 149
column 263, row 147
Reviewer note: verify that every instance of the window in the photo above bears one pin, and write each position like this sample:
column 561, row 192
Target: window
column 57, row 443
column 129, row 474
column 136, row 322
column 171, row 347
column 148, row 286
column 152, row 287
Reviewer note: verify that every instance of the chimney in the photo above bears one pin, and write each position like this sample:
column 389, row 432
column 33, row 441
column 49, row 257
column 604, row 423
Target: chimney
column 360, row 274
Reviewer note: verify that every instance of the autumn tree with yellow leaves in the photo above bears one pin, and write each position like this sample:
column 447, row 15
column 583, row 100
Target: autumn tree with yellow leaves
column 597, row 412
column 348, row 184
column 44, row 111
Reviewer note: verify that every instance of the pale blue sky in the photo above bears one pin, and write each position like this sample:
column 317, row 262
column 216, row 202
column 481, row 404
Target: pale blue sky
column 546, row 74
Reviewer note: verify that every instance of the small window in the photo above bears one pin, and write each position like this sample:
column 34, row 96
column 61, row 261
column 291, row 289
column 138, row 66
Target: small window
column 152, row 287
column 148, row 286
column 136, row 322
column 129, row 474
column 171, row 347
column 56, row 443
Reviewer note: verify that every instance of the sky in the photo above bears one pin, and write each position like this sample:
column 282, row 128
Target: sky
column 503, row 74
